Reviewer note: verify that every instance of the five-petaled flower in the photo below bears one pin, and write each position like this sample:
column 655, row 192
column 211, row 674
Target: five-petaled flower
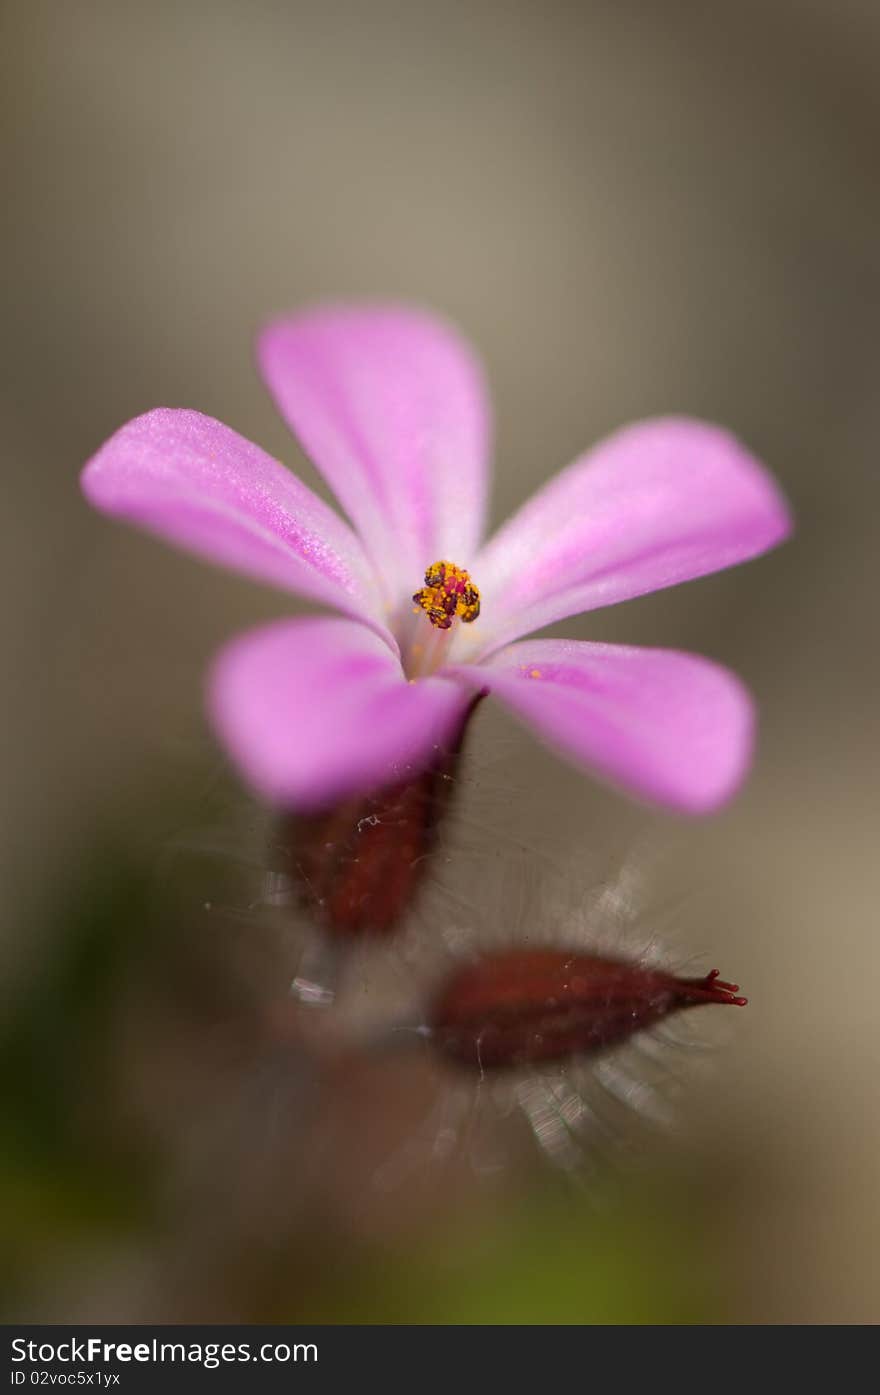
column 389, row 404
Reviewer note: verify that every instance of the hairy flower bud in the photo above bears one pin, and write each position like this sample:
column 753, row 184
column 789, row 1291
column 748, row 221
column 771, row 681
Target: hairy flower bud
column 528, row 1005
column 359, row 865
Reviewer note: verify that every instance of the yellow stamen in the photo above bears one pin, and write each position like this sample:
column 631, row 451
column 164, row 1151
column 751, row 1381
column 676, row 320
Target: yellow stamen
column 448, row 592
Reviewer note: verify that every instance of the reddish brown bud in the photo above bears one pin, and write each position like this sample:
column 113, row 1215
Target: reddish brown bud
column 528, row 1005
column 359, row 865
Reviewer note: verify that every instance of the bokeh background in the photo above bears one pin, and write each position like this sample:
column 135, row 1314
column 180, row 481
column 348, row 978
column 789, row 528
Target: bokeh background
column 631, row 208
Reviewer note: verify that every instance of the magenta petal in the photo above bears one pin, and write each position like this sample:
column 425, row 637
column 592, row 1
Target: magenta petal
column 196, row 483
column 668, row 727
column 389, row 404
column 657, row 503
column 317, row 709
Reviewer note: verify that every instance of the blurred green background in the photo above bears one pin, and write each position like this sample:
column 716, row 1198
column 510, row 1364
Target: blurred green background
column 631, row 208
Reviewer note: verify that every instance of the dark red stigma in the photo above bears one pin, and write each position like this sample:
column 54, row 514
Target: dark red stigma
column 527, row 1005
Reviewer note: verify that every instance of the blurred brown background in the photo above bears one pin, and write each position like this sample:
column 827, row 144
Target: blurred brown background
column 631, row 208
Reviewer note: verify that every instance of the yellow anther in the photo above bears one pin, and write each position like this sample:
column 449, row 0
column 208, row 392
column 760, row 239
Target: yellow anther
column 448, row 592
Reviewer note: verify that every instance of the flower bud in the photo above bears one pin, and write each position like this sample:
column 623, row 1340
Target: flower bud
column 526, row 1005
column 359, row 865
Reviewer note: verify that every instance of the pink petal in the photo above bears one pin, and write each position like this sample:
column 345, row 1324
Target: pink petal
column 657, row 503
column 669, row 727
column 317, row 709
column 196, row 483
column 390, row 406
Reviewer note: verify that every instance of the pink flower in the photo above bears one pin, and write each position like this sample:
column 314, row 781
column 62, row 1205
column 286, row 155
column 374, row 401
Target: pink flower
column 389, row 404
